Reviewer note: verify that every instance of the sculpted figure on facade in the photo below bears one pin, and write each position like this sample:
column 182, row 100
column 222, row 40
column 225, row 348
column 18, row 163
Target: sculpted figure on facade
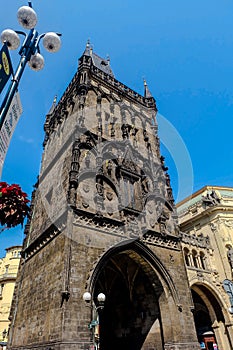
column 211, row 199
column 230, row 256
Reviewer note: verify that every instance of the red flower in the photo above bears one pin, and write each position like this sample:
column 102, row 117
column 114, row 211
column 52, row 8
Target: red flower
column 13, row 205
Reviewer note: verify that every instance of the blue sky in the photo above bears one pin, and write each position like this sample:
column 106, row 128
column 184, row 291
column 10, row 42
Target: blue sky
column 182, row 48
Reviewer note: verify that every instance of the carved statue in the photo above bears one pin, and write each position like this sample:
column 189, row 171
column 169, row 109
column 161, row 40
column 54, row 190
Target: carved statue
column 230, row 256
column 125, row 131
column 211, row 199
column 162, row 159
column 145, row 185
column 109, row 167
column 163, row 221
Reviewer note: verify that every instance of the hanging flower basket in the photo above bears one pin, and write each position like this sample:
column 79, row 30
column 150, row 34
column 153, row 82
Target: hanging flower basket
column 13, row 205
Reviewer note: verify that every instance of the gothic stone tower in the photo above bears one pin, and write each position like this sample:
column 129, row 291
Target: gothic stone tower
column 103, row 220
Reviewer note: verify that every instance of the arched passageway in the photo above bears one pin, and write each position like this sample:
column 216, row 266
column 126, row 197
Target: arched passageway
column 209, row 320
column 131, row 317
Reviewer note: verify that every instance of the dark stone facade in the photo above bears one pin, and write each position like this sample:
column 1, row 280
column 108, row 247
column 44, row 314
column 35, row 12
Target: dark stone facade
column 103, row 220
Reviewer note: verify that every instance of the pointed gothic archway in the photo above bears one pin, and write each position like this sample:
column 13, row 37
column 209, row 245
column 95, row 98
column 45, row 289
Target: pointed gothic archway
column 132, row 317
column 210, row 322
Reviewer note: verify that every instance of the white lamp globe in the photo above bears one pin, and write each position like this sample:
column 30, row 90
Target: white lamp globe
column 36, row 62
column 52, row 42
column 87, row 297
column 11, row 38
column 27, row 17
column 101, row 297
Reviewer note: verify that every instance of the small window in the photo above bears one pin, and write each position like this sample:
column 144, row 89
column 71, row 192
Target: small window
column 202, row 259
column 195, row 259
column 186, row 256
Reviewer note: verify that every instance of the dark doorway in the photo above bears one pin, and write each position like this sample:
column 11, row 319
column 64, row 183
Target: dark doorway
column 203, row 322
column 131, row 308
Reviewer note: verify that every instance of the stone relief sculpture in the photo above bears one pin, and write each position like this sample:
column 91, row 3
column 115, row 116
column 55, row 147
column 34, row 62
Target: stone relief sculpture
column 230, row 256
column 211, row 199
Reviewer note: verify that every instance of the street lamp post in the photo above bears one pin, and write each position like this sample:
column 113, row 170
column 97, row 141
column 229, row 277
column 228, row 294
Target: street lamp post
column 95, row 319
column 29, row 51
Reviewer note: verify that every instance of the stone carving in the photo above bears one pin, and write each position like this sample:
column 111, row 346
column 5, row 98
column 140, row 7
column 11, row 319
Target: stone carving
column 228, row 223
column 103, row 224
column 85, row 204
column 151, row 238
column 200, row 275
column 162, row 220
column 112, row 131
column 99, row 188
column 87, row 160
column 172, row 259
column 210, row 199
column 230, row 256
column 134, row 135
column 152, row 222
column 213, row 227
column 86, row 188
column 73, row 178
column 162, row 159
column 169, row 189
column 42, row 240
column 125, row 131
column 150, row 207
column 109, row 167
column 145, row 185
column 109, row 195
column 198, row 241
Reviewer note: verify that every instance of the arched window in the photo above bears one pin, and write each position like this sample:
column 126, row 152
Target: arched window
column 186, row 256
column 202, row 259
column 195, row 259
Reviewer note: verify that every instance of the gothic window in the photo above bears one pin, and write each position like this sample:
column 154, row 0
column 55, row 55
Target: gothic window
column 195, row 259
column 83, row 77
column 202, row 260
column 186, row 256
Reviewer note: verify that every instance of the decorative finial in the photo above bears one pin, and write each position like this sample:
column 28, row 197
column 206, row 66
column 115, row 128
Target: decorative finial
column 147, row 93
column 108, row 59
column 53, row 105
column 88, row 43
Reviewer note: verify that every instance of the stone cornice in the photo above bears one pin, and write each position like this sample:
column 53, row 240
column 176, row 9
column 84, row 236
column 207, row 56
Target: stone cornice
column 198, row 241
column 204, row 214
column 122, row 89
column 91, row 220
column 44, row 238
column 168, row 241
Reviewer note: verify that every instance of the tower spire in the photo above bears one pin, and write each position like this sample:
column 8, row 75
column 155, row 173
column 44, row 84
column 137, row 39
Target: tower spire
column 88, row 48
